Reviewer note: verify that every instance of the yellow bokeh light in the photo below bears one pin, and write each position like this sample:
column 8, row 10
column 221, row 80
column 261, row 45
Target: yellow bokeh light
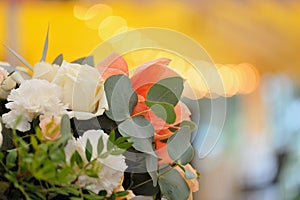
column 96, row 14
column 111, row 26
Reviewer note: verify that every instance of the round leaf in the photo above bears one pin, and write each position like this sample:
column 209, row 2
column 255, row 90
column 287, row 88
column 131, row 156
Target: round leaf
column 167, row 90
column 173, row 186
column 120, row 96
column 179, row 145
column 140, row 131
column 163, row 110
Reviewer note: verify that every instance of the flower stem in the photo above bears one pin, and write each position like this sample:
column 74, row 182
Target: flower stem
column 159, row 175
column 139, row 113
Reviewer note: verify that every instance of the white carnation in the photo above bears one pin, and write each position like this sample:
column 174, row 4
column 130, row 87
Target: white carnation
column 33, row 98
column 113, row 167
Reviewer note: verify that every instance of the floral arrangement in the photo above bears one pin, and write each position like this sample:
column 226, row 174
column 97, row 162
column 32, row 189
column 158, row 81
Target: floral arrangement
column 83, row 131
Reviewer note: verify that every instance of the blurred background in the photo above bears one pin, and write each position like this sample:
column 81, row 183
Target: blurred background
column 257, row 45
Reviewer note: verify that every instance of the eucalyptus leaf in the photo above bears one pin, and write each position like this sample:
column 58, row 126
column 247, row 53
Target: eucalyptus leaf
column 179, row 144
column 89, row 60
column 65, row 127
column 173, row 186
column 79, row 60
column 20, row 58
column 190, row 124
column 45, row 49
column 167, row 90
column 187, row 156
column 189, row 175
column 152, row 167
column 58, row 60
column 141, row 133
column 120, row 96
column 163, row 110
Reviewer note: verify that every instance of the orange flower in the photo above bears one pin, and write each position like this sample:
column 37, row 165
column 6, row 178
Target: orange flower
column 143, row 78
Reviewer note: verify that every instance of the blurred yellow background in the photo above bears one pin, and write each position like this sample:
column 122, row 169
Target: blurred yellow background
column 265, row 33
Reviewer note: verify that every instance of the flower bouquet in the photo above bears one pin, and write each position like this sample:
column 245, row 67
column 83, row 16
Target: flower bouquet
column 76, row 130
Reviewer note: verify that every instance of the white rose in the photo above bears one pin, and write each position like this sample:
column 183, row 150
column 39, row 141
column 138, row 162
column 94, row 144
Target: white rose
column 45, row 71
column 83, row 90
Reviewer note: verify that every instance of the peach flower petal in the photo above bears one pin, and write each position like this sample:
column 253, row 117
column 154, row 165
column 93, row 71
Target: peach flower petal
column 112, row 65
column 149, row 73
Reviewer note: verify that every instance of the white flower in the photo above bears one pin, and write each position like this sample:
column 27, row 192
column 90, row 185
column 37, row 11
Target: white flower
column 1, row 136
column 113, row 167
column 83, row 89
column 33, row 98
column 45, row 71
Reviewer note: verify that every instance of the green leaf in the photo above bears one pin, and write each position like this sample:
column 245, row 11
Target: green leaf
column 117, row 152
column 58, row 60
column 88, row 150
column 91, row 173
column 163, row 110
column 189, row 175
column 141, row 132
column 173, row 186
column 79, row 60
column 65, row 174
column 58, row 155
column 33, row 142
column 121, row 140
column 11, row 158
column 187, row 156
column 152, row 167
column 76, row 159
column 120, row 96
column 75, row 198
column 179, row 144
column 111, row 140
column 190, row 124
column 167, row 90
column 125, row 145
column 65, row 128
column 45, row 49
column 1, row 155
column 122, row 193
column 89, row 60
column 100, row 145
column 102, row 193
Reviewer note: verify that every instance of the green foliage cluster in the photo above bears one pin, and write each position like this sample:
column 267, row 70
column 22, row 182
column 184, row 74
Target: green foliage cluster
column 37, row 169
